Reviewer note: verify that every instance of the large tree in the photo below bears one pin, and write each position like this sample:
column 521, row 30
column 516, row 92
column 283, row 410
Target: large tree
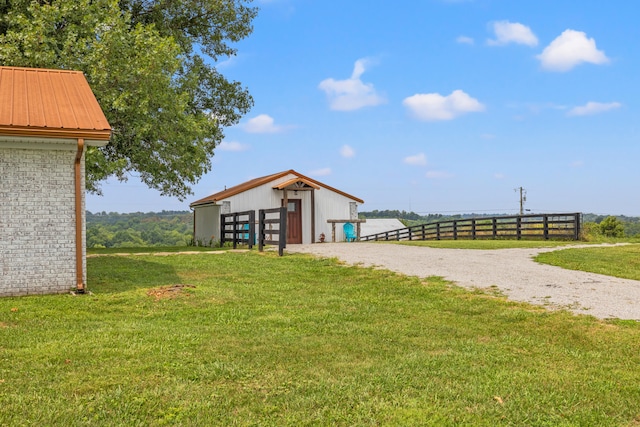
column 151, row 64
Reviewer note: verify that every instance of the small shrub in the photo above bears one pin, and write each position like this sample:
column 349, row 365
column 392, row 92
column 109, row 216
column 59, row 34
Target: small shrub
column 612, row 227
column 590, row 232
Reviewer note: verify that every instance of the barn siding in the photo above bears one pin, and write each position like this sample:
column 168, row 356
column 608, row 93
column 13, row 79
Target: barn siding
column 37, row 221
column 207, row 224
column 329, row 205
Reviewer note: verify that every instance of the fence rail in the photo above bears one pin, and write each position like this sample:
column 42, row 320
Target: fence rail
column 267, row 219
column 532, row 226
column 240, row 228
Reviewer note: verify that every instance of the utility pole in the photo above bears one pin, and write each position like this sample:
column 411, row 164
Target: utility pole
column 523, row 198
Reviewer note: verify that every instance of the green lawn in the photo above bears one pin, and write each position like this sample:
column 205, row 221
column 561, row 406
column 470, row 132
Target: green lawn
column 254, row 339
column 151, row 249
column 619, row 261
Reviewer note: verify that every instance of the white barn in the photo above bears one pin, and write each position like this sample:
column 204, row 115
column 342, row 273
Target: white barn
column 48, row 118
column 310, row 204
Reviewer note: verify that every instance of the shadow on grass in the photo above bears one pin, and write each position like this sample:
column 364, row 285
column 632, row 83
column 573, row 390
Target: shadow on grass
column 106, row 275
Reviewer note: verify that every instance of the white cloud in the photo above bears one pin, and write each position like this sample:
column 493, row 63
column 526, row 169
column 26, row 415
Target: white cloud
column 569, row 49
column 263, row 123
column 512, row 32
column 227, row 63
column 591, row 108
column 465, row 40
column 438, row 175
column 433, row 106
column 352, row 93
column 577, row 164
column 347, row 152
column 321, row 172
column 232, row 146
column 498, row 175
column 488, row 136
column 417, row 160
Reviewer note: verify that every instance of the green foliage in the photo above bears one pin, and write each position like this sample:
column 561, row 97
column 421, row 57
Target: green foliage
column 612, row 227
column 590, row 232
column 167, row 106
column 631, row 224
column 243, row 339
column 113, row 230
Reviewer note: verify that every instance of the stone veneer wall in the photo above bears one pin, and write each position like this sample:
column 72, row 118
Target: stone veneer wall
column 37, row 221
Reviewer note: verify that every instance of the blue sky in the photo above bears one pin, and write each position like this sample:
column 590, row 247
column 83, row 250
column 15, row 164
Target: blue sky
column 435, row 106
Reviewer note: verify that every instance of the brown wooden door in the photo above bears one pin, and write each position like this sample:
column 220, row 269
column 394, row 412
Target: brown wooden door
column 294, row 221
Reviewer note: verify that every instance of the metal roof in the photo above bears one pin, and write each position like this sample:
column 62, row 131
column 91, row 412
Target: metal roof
column 380, row 225
column 264, row 180
column 47, row 103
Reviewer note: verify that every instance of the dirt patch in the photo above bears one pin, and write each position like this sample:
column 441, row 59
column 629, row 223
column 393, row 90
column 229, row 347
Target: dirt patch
column 170, row 291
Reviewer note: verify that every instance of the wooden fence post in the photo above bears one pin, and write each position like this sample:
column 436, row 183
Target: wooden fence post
column 222, row 229
column 235, row 230
column 282, row 238
column 261, row 227
column 252, row 229
column 545, row 226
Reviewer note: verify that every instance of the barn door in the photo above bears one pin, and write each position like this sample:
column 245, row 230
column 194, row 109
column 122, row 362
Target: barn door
column 294, row 221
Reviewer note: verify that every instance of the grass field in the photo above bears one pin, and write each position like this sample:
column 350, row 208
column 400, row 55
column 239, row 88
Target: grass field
column 619, row 261
column 254, row 339
column 151, row 249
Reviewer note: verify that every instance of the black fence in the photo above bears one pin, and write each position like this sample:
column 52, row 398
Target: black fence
column 240, row 228
column 272, row 228
column 533, row 226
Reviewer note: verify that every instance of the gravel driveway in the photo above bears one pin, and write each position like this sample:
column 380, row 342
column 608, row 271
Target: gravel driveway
column 512, row 271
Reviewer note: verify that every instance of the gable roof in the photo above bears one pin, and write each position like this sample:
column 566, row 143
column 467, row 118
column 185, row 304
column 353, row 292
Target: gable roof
column 256, row 182
column 46, row 103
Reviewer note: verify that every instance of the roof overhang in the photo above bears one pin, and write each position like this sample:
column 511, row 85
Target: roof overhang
column 41, row 143
column 296, row 184
column 98, row 137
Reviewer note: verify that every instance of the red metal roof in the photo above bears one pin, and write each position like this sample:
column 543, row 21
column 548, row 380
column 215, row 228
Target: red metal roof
column 49, row 103
column 264, row 180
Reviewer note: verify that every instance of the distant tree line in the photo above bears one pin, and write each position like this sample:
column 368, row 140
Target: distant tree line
column 175, row 228
column 610, row 226
column 126, row 230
